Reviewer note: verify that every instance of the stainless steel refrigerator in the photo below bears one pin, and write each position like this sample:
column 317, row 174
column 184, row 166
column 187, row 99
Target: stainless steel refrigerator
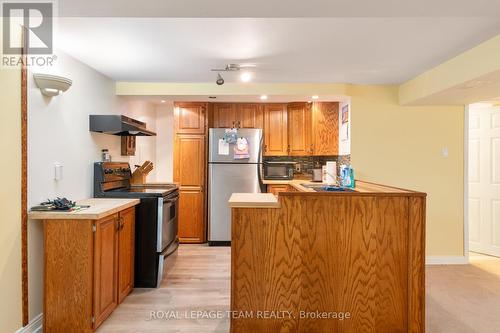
column 227, row 175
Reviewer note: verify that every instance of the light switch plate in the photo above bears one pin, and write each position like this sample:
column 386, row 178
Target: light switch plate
column 58, row 171
column 444, row 152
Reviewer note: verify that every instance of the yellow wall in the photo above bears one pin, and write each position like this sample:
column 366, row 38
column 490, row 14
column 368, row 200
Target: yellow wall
column 473, row 64
column 10, row 200
column 401, row 146
column 390, row 143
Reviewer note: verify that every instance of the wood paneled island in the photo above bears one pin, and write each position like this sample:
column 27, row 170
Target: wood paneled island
column 328, row 262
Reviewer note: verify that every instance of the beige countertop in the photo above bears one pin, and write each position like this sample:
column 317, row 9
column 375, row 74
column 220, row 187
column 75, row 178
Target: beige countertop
column 99, row 208
column 253, row 200
column 361, row 186
column 268, row 200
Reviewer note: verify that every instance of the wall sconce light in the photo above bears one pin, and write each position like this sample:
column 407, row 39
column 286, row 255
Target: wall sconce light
column 52, row 85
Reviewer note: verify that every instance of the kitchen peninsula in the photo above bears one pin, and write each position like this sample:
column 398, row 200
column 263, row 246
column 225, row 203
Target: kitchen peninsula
column 354, row 258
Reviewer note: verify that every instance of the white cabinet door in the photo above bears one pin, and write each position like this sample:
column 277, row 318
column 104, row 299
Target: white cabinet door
column 484, row 181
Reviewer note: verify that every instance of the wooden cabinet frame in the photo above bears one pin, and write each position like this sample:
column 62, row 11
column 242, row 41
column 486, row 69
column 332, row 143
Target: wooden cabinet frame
column 82, row 270
column 190, row 169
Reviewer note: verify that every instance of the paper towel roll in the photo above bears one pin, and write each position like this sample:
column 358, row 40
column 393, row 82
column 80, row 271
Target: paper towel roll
column 331, row 173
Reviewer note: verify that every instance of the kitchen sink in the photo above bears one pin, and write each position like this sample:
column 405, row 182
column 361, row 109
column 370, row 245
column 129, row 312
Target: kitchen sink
column 327, row 188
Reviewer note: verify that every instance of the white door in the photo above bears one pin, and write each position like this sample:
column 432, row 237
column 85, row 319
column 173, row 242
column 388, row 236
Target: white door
column 484, row 180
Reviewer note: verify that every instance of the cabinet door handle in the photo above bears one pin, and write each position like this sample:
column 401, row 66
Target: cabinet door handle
column 121, row 224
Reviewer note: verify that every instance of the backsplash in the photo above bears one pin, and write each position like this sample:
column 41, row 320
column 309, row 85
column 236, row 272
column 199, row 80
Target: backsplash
column 307, row 163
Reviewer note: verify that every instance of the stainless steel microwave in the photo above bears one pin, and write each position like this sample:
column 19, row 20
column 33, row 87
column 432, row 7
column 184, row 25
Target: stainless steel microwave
column 278, row 170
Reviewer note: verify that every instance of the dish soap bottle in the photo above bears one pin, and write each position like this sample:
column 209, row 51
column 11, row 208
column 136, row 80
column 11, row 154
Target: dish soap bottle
column 351, row 178
column 347, row 176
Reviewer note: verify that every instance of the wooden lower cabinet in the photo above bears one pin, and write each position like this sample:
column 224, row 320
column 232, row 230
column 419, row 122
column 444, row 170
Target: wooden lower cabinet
column 88, row 270
column 126, row 253
column 191, row 215
column 105, row 268
column 275, row 189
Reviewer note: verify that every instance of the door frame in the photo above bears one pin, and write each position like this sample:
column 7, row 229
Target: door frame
column 466, row 183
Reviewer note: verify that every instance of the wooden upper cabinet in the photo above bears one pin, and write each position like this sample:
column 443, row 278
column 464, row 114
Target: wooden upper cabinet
column 225, row 115
column 190, row 118
column 325, row 128
column 105, row 268
column 239, row 115
column 299, row 129
column 250, row 115
column 275, row 130
column 126, row 251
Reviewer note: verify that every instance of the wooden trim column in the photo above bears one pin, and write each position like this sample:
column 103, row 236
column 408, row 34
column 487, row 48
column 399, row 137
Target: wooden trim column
column 24, row 180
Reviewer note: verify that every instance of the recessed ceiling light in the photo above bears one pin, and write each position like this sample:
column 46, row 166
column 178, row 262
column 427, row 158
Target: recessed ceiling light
column 309, row 101
column 263, row 97
column 246, row 76
column 162, row 101
column 315, row 97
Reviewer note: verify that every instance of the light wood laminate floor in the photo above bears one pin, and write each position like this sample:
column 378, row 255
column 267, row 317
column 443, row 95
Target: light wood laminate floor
column 460, row 299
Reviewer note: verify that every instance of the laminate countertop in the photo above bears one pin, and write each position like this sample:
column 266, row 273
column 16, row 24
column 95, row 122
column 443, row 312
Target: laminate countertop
column 99, row 208
column 268, row 200
column 361, row 186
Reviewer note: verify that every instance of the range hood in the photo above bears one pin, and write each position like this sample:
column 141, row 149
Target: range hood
column 118, row 125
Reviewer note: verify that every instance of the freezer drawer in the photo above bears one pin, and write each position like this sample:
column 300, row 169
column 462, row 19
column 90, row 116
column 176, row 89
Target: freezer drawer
column 224, row 180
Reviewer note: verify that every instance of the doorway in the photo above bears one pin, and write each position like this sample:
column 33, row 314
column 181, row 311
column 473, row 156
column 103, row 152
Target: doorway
column 484, row 178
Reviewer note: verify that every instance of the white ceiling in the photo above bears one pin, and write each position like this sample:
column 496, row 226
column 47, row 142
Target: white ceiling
column 346, row 50
column 279, row 8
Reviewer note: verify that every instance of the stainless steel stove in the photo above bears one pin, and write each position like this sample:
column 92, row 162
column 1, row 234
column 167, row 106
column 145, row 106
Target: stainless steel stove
column 156, row 234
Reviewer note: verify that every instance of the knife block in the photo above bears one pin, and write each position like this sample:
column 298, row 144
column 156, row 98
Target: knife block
column 139, row 175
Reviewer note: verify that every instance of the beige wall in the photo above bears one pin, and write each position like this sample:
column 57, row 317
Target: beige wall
column 390, row 143
column 401, row 146
column 10, row 200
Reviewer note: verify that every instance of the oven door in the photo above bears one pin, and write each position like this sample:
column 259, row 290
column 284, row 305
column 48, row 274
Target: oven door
column 168, row 210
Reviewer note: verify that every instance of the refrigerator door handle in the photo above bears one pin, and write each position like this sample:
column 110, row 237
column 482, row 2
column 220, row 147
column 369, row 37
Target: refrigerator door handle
column 259, row 166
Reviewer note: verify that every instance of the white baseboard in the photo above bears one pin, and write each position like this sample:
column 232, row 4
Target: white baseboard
column 446, row 260
column 35, row 326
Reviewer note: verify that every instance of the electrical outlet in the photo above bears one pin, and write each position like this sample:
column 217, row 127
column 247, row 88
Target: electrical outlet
column 298, row 167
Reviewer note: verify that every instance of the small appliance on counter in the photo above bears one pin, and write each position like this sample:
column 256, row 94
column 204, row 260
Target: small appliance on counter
column 331, row 173
column 156, row 227
column 317, row 175
column 279, row 170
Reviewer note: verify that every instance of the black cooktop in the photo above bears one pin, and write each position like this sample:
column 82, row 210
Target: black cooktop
column 142, row 191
